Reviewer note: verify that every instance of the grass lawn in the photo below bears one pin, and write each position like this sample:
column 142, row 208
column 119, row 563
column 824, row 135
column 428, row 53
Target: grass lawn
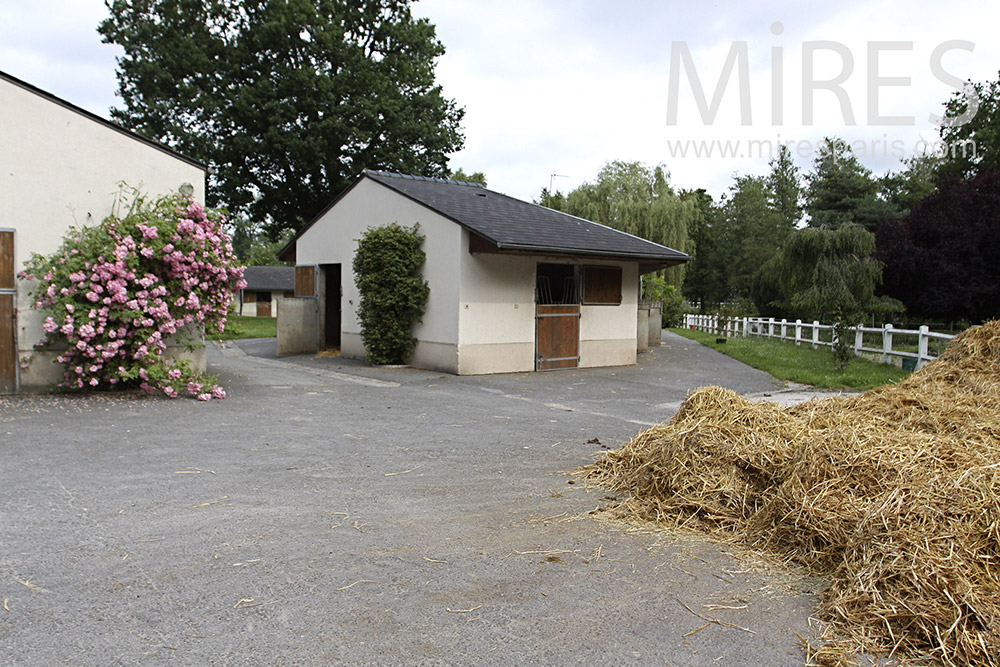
column 800, row 363
column 240, row 326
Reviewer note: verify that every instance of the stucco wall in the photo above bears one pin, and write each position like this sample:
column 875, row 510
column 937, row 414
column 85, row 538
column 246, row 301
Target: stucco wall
column 59, row 168
column 496, row 313
column 497, row 316
column 333, row 239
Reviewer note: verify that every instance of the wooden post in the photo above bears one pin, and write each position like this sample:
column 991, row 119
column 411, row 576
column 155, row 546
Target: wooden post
column 798, row 332
column 815, row 334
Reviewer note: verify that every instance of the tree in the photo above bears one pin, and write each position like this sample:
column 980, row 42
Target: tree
column 971, row 143
column 941, row 258
column 475, row 177
column 750, row 232
column 784, row 191
column 636, row 199
column 555, row 201
column 286, row 100
column 705, row 276
column 903, row 189
column 831, row 273
column 841, row 190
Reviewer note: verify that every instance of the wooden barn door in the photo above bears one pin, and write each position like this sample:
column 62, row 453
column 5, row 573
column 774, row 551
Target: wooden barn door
column 557, row 336
column 8, row 314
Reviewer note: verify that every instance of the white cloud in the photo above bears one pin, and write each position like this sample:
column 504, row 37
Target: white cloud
column 568, row 86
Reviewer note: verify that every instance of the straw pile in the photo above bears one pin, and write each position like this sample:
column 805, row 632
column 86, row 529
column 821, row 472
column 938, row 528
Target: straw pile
column 893, row 495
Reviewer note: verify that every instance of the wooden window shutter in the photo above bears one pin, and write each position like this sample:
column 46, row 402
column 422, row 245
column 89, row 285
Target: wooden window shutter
column 602, row 285
column 305, row 280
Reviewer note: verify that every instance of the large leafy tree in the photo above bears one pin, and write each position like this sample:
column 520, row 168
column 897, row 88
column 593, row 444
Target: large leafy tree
column 286, row 100
column 941, row 258
column 637, row 199
column 841, row 190
column 971, row 134
column 902, row 190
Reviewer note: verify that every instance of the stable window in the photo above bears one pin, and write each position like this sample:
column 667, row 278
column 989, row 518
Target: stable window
column 602, row 285
column 556, row 284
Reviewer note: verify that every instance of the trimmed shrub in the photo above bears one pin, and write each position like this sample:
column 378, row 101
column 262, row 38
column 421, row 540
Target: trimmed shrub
column 393, row 293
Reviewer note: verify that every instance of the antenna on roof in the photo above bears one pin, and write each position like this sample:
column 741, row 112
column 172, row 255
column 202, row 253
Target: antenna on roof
column 553, row 177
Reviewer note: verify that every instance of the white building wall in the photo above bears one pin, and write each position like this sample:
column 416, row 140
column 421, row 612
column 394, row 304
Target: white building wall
column 60, row 168
column 333, row 239
column 608, row 333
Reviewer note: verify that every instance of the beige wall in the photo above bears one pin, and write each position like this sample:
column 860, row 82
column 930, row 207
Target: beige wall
column 333, row 239
column 496, row 313
column 497, row 316
column 608, row 333
column 59, row 168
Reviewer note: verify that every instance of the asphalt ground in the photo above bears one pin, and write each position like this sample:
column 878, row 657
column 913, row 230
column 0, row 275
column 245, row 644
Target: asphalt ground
column 328, row 513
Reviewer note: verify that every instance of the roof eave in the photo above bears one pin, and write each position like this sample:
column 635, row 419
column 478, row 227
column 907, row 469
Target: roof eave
column 668, row 260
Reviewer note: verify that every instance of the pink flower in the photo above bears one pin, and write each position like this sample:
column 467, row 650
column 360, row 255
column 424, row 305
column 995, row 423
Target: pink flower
column 170, row 391
column 204, row 397
column 50, row 325
column 174, row 374
column 218, row 392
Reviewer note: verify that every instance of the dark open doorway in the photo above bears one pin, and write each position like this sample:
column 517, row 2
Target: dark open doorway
column 332, row 293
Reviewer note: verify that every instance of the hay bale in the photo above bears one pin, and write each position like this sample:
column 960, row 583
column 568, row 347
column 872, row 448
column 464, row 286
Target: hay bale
column 892, row 495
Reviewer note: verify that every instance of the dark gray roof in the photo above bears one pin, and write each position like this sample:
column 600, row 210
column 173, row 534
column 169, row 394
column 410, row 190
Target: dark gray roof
column 514, row 225
column 270, row 278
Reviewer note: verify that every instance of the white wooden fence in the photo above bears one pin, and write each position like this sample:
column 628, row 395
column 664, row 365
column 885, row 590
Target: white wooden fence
column 801, row 332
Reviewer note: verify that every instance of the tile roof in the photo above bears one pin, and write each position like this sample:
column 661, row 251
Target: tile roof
column 514, row 225
column 270, row 278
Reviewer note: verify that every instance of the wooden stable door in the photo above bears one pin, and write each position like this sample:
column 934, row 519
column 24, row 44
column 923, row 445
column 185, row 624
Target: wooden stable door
column 8, row 314
column 557, row 336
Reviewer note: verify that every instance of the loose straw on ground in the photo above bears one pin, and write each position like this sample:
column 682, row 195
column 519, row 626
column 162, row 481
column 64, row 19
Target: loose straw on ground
column 892, row 495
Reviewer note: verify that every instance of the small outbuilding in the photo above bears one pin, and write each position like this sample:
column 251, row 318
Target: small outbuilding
column 265, row 285
column 513, row 286
column 62, row 166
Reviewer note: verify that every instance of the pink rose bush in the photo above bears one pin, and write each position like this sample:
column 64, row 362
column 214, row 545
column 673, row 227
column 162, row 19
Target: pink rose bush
column 114, row 294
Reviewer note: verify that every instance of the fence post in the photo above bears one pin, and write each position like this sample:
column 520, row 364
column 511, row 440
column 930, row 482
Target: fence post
column 770, row 327
column 886, row 343
column 922, row 346
column 798, row 332
column 815, row 334
column 859, row 340
column 746, row 327
column 784, row 325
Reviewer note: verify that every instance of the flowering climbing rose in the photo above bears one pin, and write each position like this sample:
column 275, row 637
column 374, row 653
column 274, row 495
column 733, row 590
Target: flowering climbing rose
column 113, row 294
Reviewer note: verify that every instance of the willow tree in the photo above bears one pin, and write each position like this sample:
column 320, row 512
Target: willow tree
column 637, row 199
column 831, row 274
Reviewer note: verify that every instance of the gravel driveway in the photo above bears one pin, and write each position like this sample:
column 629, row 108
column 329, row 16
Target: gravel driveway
column 331, row 513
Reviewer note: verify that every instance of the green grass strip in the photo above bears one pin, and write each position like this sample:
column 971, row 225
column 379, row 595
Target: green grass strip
column 800, row 363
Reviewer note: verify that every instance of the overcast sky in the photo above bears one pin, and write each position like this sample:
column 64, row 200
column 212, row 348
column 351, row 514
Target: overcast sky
column 564, row 87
